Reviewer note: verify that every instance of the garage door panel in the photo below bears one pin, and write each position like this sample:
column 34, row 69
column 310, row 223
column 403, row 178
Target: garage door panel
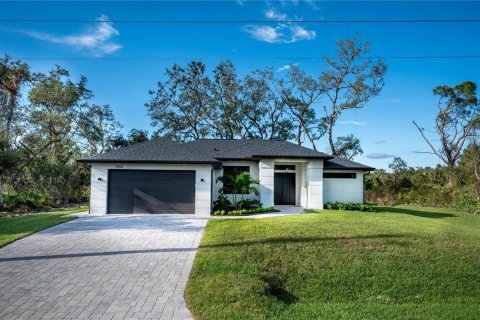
column 151, row 191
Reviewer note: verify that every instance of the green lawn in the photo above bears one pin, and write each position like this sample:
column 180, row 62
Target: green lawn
column 15, row 228
column 400, row 263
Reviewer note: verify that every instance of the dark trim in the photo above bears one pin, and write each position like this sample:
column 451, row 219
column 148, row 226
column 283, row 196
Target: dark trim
column 350, row 168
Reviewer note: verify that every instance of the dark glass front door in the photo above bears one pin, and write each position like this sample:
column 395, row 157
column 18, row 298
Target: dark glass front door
column 284, row 184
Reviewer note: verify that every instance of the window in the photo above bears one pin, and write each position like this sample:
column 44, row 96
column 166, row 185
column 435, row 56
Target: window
column 233, row 171
column 340, row 175
column 281, row 167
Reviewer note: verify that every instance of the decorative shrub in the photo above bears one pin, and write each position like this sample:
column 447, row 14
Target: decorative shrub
column 243, row 211
column 222, row 203
column 348, row 206
column 249, row 204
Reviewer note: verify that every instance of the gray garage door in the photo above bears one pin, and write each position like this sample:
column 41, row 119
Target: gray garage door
column 151, row 191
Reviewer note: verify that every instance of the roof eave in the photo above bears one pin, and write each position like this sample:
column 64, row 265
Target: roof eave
column 293, row 157
column 146, row 161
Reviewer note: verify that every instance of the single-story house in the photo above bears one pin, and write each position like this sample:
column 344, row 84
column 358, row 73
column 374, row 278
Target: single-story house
column 164, row 176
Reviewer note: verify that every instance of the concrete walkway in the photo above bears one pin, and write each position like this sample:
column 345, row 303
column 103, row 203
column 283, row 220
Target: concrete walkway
column 101, row 267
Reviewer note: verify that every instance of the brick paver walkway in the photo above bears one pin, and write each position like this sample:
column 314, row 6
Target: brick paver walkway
column 103, row 267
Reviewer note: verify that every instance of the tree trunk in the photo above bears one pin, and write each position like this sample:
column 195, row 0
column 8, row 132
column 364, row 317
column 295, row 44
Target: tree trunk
column 9, row 115
column 330, row 138
column 451, row 174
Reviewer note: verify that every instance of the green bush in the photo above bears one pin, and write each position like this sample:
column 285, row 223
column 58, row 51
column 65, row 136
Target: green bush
column 348, row 206
column 28, row 199
column 222, row 203
column 243, row 211
column 249, row 204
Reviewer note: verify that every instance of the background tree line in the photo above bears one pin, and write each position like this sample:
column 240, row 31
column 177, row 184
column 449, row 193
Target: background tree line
column 54, row 123
column 192, row 103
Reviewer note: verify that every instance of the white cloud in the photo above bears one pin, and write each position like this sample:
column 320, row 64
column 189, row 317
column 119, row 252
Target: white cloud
column 381, row 142
column 353, row 122
column 264, row 33
column 272, row 14
column 286, row 67
column 240, row 2
column 300, row 33
column 96, row 40
column 379, row 155
column 282, row 33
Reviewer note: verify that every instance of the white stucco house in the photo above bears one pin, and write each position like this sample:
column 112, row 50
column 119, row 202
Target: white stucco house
column 164, row 176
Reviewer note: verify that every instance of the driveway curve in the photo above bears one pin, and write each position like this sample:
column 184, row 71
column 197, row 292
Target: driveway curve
column 101, row 267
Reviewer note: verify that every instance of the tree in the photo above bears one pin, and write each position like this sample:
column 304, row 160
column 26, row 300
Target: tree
column 178, row 106
column 398, row 167
column 14, row 74
column 300, row 93
column 191, row 105
column 49, row 139
column 97, row 126
column 348, row 147
column 134, row 136
column 470, row 165
column 54, row 102
column 239, row 184
column 457, row 118
column 350, row 81
column 264, row 108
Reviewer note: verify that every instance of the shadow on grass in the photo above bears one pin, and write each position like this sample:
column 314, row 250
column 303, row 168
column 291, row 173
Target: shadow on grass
column 276, row 240
column 417, row 213
column 275, row 287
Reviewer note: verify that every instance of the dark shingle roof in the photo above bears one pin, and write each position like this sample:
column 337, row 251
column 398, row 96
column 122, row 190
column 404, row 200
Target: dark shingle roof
column 154, row 151
column 340, row 163
column 253, row 149
column 212, row 150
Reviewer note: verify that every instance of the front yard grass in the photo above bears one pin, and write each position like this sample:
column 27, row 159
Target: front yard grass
column 14, row 228
column 399, row 263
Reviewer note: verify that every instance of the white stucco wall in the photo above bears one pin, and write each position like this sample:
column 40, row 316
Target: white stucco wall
column 266, row 174
column 315, row 185
column 98, row 188
column 344, row 190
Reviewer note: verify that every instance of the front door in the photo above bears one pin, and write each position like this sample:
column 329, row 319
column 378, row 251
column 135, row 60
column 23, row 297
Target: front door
column 284, row 188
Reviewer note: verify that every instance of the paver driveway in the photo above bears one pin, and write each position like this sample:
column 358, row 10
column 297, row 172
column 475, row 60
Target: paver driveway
column 103, row 267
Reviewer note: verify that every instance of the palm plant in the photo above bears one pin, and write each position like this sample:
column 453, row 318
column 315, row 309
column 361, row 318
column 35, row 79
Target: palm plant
column 239, row 184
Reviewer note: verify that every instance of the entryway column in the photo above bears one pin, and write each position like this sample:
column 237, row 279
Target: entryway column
column 266, row 173
column 315, row 184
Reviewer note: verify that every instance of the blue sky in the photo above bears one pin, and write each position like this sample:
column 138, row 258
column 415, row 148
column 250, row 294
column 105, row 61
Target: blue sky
column 384, row 126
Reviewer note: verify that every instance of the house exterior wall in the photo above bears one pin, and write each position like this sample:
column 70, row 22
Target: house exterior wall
column 266, row 174
column 254, row 172
column 344, row 190
column 314, row 173
column 99, row 188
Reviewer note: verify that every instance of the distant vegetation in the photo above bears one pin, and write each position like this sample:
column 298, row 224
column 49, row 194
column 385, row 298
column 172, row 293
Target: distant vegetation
column 458, row 187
